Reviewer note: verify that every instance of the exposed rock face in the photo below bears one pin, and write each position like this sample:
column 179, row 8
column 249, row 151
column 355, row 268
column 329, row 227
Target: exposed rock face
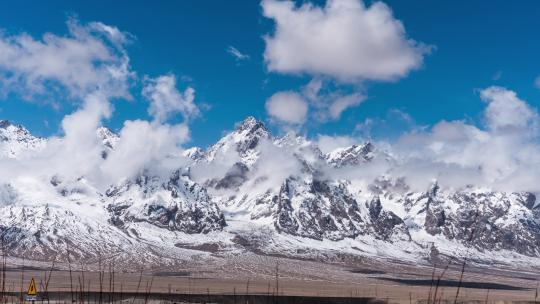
column 386, row 224
column 352, row 155
column 326, row 210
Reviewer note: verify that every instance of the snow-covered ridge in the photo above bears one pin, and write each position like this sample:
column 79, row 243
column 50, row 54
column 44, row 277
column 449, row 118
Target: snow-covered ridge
column 257, row 191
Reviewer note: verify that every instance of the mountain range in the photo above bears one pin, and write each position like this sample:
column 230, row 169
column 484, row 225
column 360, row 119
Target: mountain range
column 252, row 191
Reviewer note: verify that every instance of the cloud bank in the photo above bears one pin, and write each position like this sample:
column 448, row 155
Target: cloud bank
column 502, row 153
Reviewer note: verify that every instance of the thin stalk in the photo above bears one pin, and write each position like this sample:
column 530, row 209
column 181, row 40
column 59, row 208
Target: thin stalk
column 277, row 277
column 22, row 282
column 70, row 276
column 149, row 290
column 460, row 282
column 247, row 291
column 138, row 286
column 432, row 282
column 536, row 294
column 439, row 281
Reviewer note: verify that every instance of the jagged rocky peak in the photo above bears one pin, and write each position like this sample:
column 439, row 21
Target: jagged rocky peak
column 244, row 139
column 249, row 133
column 16, row 139
column 251, row 125
column 108, row 137
column 352, row 155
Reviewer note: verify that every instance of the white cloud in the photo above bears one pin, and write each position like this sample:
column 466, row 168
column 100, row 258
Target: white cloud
column 504, row 155
column 91, row 57
column 341, row 45
column 274, row 165
column 506, row 110
column 239, row 56
column 537, row 82
column 343, row 103
column 329, row 104
column 166, row 100
column 497, row 75
column 288, row 107
column 344, row 39
column 145, row 146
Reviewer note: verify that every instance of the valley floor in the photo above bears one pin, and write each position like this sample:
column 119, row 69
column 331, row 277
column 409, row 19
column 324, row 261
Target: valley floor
column 255, row 274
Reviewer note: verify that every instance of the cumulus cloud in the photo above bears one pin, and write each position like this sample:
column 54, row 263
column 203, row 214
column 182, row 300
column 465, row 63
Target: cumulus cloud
column 238, row 56
column 166, row 100
column 345, row 39
column 291, row 107
column 341, row 45
column 91, row 57
column 288, row 107
column 505, row 110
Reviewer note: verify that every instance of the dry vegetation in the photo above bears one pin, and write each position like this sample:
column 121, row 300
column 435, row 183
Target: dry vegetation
column 250, row 278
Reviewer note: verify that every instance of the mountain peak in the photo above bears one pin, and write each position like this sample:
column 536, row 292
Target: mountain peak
column 4, row 123
column 251, row 124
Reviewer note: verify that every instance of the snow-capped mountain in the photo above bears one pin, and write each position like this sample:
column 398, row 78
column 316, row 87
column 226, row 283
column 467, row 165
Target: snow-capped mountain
column 15, row 140
column 254, row 191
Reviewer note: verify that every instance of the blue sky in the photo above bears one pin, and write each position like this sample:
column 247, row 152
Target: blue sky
column 474, row 45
